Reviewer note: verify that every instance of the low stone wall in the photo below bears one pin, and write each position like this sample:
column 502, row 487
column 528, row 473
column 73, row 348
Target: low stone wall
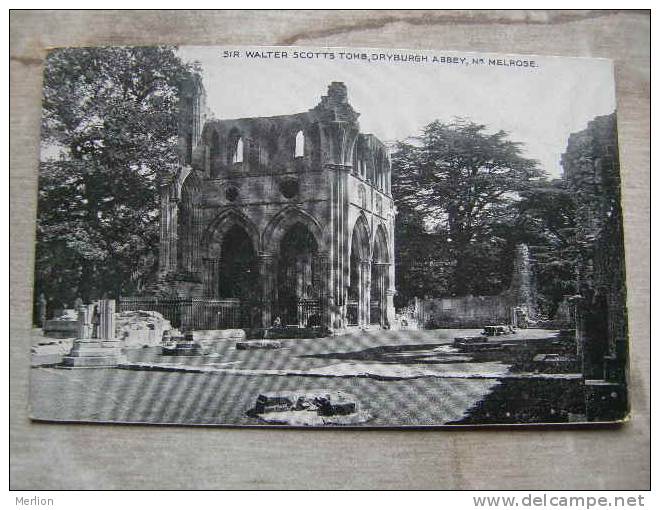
column 463, row 312
column 64, row 325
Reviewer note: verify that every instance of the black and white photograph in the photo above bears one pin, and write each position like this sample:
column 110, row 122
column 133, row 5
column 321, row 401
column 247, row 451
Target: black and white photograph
column 328, row 237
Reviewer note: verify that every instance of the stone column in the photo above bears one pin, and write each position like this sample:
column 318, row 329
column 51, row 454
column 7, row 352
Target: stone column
column 196, row 238
column 389, row 307
column 385, row 292
column 173, row 236
column 167, row 261
column 337, row 247
column 267, row 276
column 85, row 321
column 365, row 301
column 107, row 316
column 323, row 292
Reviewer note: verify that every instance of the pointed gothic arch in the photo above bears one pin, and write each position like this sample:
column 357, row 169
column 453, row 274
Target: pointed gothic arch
column 187, row 190
column 220, row 225
column 380, row 250
column 358, row 273
column 380, row 279
column 230, row 246
column 282, row 221
column 361, row 237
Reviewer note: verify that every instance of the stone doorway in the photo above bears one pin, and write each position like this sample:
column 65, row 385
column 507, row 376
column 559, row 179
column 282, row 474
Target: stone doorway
column 238, row 276
column 298, row 276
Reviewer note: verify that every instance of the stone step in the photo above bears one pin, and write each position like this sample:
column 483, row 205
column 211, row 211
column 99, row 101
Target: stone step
column 84, row 351
column 91, row 361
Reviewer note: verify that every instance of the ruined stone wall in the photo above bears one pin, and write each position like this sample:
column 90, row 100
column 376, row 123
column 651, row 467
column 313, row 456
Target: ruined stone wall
column 266, row 174
column 463, row 312
column 591, row 166
column 477, row 311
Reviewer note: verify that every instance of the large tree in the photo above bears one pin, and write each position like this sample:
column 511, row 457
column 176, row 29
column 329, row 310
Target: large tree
column 109, row 135
column 465, row 181
column 421, row 257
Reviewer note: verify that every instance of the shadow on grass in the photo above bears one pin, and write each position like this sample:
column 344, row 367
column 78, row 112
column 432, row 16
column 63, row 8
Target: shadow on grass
column 515, row 401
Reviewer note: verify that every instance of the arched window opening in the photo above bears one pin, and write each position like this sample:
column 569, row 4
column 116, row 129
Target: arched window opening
column 238, row 152
column 379, row 171
column 186, row 231
column 300, row 145
column 238, row 270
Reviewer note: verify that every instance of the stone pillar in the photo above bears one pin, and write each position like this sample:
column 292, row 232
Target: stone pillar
column 522, row 289
column 385, row 293
column 338, row 129
column 196, row 238
column 85, row 313
column 173, row 236
column 165, row 230
column 389, row 307
column 107, row 319
column 267, row 276
column 365, row 290
column 338, row 240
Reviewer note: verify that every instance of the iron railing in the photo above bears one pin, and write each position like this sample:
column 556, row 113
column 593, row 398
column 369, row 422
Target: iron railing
column 374, row 312
column 192, row 313
column 352, row 313
column 189, row 314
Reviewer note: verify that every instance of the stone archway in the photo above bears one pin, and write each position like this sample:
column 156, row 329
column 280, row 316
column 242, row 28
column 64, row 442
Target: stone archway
column 380, row 269
column 357, row 303
column 298, row 278
column 230, row 239
column 187, row 226
column 238, row 272
column 294, row 269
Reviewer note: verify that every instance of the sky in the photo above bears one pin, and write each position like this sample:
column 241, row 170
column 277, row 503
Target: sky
column 538, row 106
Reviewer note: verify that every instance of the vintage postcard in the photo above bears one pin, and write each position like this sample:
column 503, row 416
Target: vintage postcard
column 328, row 237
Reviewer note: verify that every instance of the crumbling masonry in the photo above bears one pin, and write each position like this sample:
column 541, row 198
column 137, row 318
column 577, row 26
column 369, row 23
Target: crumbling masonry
column 289, row 216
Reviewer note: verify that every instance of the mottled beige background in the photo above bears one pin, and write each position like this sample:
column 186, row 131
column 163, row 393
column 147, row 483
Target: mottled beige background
column 49, row 456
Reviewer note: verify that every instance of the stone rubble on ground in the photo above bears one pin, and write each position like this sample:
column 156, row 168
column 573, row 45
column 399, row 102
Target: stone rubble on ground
column 258, row 344
column 141, row 328
column 309, row 408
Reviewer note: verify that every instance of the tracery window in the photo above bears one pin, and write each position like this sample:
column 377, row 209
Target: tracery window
column 238, row 152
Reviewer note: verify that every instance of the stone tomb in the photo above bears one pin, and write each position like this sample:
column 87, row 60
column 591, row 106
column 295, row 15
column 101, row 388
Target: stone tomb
column 96, row 345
